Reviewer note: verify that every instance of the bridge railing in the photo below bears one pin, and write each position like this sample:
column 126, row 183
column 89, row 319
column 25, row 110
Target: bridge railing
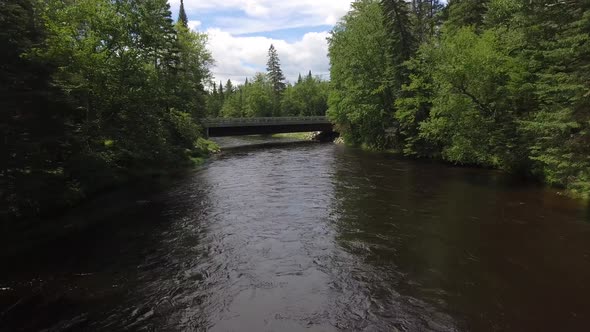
column 215, row 122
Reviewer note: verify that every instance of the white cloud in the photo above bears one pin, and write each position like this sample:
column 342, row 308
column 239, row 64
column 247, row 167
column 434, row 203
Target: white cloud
column 267, row 15
column 240, row 57
column 194, row 25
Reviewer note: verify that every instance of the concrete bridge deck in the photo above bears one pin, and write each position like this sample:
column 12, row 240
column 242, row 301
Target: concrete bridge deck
column 219, row 127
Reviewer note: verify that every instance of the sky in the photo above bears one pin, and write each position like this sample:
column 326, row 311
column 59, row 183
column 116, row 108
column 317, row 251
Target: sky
column 241, row 31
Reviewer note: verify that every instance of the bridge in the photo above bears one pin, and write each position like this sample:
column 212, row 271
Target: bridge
column 219, row 127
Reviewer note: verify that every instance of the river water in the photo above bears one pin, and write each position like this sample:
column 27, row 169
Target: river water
column 314, row 237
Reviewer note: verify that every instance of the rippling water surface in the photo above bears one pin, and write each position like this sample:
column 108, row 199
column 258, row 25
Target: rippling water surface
column 315, row 237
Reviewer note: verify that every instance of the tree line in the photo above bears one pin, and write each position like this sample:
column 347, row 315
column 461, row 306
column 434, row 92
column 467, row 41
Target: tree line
column 268, row 95
column 495, row 83
column 92, row 93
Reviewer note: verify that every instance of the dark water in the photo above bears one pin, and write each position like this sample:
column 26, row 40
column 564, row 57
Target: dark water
column 317, row 238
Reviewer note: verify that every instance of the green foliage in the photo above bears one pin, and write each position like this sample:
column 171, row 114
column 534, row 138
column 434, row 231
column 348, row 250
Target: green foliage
column 309, row 97
column 358, row 101
column 257, row 98
column 96, row 91
column 475, row 95
column 499, row 83
column 558, row 44
column 466, row 13
column 192, row 72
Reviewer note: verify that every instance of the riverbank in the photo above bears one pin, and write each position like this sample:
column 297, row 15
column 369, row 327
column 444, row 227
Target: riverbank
column 527, row 175
column 20, row 234
column 25, row 234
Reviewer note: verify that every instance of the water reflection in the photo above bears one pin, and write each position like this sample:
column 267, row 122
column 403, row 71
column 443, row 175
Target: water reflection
column 475, row 248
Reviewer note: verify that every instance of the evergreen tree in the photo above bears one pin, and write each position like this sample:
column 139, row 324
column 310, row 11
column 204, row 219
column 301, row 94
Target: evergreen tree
column 229, row 88
column 182, row 15
column 558, row 39
column 299, row 79
column 426, row 18
column 274, row 71
column 462, row 13
column 401, row 41
column 276, row 79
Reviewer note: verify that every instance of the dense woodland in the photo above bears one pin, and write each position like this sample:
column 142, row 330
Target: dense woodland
column 94, row 93
column 267, row 94
column 495, row 83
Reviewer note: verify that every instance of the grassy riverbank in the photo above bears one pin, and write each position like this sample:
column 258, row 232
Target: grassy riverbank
column 307, row 136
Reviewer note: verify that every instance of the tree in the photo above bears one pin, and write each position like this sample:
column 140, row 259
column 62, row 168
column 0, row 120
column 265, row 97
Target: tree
column 427, row 18
column 229, row 89
column 105, row 90
column 402, row 45
column 499, row 83
column 359, row 62
column 276, row 77
column 558, row 44
column 192, row 71
column 463, row 13
column 182, row 18
column 259, row 102
column 476, row 88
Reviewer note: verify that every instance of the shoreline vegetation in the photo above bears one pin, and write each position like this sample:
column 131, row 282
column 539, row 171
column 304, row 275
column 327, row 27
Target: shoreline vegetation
column 96, row 94
column 498, row 84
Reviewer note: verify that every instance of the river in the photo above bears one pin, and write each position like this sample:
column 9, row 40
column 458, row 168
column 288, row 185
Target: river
column 314, row 237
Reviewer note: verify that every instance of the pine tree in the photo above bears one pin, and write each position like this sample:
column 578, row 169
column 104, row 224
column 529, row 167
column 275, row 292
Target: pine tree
column 299, row 79
column 426, row 18
column 401, row 45
column 182, row 15
column 466, row 13
column 274, row 71
column 229, row 88
column 157, row 32
column 309, row 76
column 559, row 40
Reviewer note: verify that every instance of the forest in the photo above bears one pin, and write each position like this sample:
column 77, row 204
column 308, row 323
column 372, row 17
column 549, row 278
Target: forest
column 95, row 93
column 496, row 83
